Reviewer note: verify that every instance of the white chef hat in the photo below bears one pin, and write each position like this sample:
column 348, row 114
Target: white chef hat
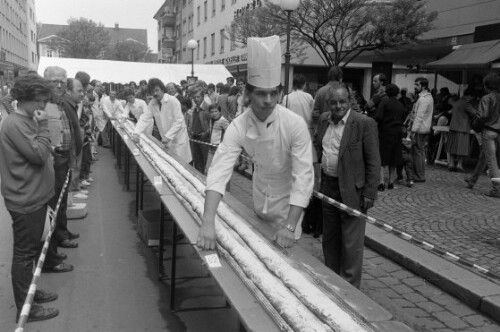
column 264, row 62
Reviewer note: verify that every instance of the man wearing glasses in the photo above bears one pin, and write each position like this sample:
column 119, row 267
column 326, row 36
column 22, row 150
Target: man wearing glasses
column 278, row 142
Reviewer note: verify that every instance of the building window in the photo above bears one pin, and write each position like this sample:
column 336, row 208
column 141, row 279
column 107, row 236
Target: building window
column 214, row 6
column 205, row 9
column 213, row 43
column 50, row 54
column 198, row 51
column 222, row 5
column 199, row 14
column 222, row 40
column 204, row 47
column 184, row 27
column 233, row 44
column 190, row 24
column 233, row 2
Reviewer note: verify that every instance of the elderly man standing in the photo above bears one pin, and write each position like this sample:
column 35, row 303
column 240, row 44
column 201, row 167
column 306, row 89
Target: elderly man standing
column 350, row 163
column 61, row 139
column 279, row 144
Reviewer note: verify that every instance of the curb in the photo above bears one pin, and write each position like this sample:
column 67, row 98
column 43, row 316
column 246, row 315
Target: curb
column 477, row 292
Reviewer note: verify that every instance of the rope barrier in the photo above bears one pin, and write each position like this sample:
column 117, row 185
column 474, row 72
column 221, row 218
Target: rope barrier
column 390, row 228
column 51, row 214
column 204, row 143
column 405, row 235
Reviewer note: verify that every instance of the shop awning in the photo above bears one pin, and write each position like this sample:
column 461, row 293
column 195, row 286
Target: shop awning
column 476, row 55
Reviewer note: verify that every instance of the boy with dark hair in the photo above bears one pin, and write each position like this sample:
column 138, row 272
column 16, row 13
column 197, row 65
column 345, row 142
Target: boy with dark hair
column 218, row 126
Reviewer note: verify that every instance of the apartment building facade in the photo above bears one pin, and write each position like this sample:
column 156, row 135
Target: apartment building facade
column 17, row 38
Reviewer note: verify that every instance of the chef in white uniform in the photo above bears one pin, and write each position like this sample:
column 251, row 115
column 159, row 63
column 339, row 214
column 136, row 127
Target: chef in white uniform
column 279, row 144
column 167, row 113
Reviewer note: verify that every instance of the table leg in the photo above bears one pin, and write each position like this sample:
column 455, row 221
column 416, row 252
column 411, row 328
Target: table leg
column 141, row 206
column 119, row 152
column 161, row 271
column 127, row 168
column 173, row 268
column 137, row 170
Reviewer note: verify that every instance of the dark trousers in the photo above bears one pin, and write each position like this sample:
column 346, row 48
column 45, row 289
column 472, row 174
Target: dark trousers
column 343, row 236
column 61, row 167
column 28, row 230
column 419, row 149
column 200, row 154
column 86, row 161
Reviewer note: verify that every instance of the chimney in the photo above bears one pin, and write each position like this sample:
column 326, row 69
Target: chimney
column 117, row 26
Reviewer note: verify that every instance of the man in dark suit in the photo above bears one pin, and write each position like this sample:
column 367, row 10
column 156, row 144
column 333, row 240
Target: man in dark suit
column 350, row 162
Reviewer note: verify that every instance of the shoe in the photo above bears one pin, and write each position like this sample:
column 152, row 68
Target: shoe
column 44, row 297
column 83, row 192
column 61, row 256
column 73, row 236
column 80, row 196
column 470, row 182
column 89, row 179
column 493, row 193
column 419, row 181
column 409, row 184
column 68, row 244
column 390, row 185
column 85, row 183
column 381, row 187
column 38, row 313
column 60, row 268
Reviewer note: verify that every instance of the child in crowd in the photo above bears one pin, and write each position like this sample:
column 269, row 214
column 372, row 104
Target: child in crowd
column 85, row 124
column 218, row 126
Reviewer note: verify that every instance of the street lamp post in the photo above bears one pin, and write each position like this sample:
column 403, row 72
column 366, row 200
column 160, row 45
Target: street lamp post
column 192, row 45
column 289, row 6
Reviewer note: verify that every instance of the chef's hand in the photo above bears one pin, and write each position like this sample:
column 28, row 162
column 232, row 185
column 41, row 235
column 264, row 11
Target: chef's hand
column 285, row 238
column 366, row 203
column 165, row 142
column 206, row 236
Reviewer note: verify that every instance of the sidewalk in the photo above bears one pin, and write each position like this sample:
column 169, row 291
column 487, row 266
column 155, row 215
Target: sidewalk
column 412, row 299
column 114, row 286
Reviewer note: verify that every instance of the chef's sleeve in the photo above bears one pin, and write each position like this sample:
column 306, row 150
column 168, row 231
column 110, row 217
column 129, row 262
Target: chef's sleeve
column 302, row 166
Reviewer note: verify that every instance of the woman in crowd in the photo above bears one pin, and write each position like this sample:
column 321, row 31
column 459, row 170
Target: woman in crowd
column 457, row 147
column 233, row 101
column 27, row 173
column 390, row 116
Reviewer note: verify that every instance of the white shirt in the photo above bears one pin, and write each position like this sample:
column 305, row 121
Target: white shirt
column 113, row 109
column 422, row 110
column 331, row 146
column 137, row 108
column 301, row 103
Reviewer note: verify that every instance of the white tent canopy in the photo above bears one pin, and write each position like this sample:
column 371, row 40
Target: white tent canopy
column 124, row 72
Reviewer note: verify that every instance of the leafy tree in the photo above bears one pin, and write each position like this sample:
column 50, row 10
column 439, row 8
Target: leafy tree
column 84, row 39
column 340, row 30
column 128, row 50
column 257, row 23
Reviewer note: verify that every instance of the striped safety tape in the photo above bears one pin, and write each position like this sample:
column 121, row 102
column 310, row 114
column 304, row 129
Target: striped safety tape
column 405, row 235
column 51, row 214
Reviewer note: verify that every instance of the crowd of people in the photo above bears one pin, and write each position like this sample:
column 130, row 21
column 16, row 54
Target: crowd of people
column 54, row 125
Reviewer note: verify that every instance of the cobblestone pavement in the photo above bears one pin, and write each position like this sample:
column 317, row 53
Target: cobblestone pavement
column 410, row 298
column 444, row 212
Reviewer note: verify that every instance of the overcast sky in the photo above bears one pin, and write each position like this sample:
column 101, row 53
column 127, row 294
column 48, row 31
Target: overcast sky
column 127, row 13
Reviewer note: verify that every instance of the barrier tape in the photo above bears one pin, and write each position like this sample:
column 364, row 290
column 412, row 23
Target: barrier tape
column 404, row 235
column 390, row 228
column 51, row 214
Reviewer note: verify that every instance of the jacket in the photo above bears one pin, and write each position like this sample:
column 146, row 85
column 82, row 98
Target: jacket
column 359, row 158
column 489, row 111
column 422, row 113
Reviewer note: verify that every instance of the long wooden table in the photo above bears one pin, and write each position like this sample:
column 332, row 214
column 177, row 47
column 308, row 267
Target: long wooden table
column 250, row 311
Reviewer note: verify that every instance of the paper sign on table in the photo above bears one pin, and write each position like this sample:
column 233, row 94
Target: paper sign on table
column 136, row 152
column 213, row 261
column 125, row 137
column 157, row 181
